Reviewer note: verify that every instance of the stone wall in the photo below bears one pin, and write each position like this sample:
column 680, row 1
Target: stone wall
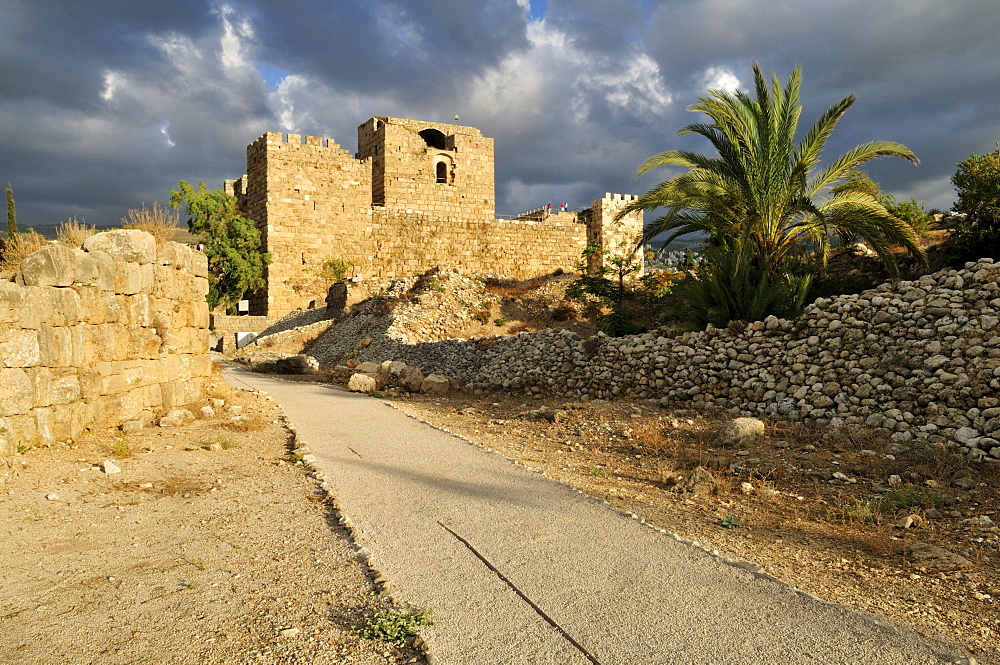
column 225, row 329
column 920, row 359
column 391, row 213
column 93, row 338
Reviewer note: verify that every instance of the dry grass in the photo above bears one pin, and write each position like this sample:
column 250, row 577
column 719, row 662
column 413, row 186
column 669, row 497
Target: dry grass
column 74, row 232
column 14, row 253
column 162, row 223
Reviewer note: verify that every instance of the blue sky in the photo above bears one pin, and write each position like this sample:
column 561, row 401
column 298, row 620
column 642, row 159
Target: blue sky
column 108, row 103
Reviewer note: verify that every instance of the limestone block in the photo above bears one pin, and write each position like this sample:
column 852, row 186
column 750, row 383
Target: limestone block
column 92, row 304
column 199, row 314
column 95, row 268
column 175, row 255
column 65, row 304
column 435, row 385
column 55, row 347
column 41, row 382
column 54, row 265
column 202, row 365
column 169, row 284
column 90, row 384
column 19, row 348
column 113, row 384
column 132, row 372
column 133, row 278
column 199, row 265
column 11, row 302
column 412, row 380
column 362, row 383
column 64, row 389
column 136, row 310
column 45, row 426
column 197, row 287
column 129, row 245
column 71, row 420
column 172, row 394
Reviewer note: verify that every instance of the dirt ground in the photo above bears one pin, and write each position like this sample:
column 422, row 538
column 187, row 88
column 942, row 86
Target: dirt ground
column 213, row 540
column 776, row 502
column 212, row 545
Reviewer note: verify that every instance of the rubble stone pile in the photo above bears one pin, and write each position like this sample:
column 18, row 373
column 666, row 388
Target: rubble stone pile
column 920, row 358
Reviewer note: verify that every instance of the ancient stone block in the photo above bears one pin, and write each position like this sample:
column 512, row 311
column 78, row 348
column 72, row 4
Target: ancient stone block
column 19, row 348
column 175, row 255
column 54, row 265
column 129, row 245
column 55, row 347
column 11, row 301
column 18, row 394
column 95, row 268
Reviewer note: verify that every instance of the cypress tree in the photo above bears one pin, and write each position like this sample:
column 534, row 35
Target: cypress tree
column 11, row 217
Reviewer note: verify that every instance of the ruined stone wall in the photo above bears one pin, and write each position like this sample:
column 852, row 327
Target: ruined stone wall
column 407, row 244
column 97, row 337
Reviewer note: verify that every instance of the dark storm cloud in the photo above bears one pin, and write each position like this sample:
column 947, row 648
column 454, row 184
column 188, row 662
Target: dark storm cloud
column 419, row 49
column 108, row 104
column 56, row 50
column 925, row 73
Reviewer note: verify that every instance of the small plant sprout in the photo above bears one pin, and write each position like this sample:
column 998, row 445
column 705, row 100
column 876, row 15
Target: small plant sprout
column 394, row 626
column 121, row 448
column 730, row 522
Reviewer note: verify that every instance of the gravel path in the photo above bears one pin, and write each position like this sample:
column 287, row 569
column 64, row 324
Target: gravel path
column 520, row 569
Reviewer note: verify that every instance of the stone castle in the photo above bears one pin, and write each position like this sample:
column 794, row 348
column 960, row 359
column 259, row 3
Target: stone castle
column 416, row 195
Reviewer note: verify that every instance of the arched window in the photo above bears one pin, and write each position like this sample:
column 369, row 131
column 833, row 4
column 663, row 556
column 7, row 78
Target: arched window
column 433, row 138
column 442, row 171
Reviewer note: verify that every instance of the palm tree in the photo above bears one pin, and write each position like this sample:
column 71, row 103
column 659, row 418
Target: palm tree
column 764, row 198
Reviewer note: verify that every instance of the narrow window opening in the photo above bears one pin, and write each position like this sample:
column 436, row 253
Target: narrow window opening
column 442, row 172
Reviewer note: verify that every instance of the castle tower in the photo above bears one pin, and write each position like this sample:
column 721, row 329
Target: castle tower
column 311, row 201
column 616, row 238
column 437, row 169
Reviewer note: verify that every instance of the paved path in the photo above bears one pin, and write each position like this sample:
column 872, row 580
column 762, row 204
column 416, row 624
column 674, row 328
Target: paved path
column 520, row 569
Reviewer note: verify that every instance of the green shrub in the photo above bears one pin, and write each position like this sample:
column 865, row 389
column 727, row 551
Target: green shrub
column 729, row 287
column 978, row 184
column 334, row 270
column 394, row 626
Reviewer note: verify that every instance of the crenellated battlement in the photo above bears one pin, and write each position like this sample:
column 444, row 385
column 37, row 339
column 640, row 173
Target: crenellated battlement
column 415, row 195
column 278, row 140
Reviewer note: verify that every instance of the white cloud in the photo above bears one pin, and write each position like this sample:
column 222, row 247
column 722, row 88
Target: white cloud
column 719, row 78
column 554, row 73
column 113, row 82
column 236, row 42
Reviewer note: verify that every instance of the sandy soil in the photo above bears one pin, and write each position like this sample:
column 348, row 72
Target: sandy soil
column 208, row 544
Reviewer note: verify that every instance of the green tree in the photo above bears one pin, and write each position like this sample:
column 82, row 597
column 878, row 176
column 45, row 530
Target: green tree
column 765, row 200
column 608, row 285
column 977, row 181
column 11, row 218
column 235, row 262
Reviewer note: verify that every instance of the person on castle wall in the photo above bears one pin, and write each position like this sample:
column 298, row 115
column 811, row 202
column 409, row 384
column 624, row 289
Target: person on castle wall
column 548, row 209
column 563, row 206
